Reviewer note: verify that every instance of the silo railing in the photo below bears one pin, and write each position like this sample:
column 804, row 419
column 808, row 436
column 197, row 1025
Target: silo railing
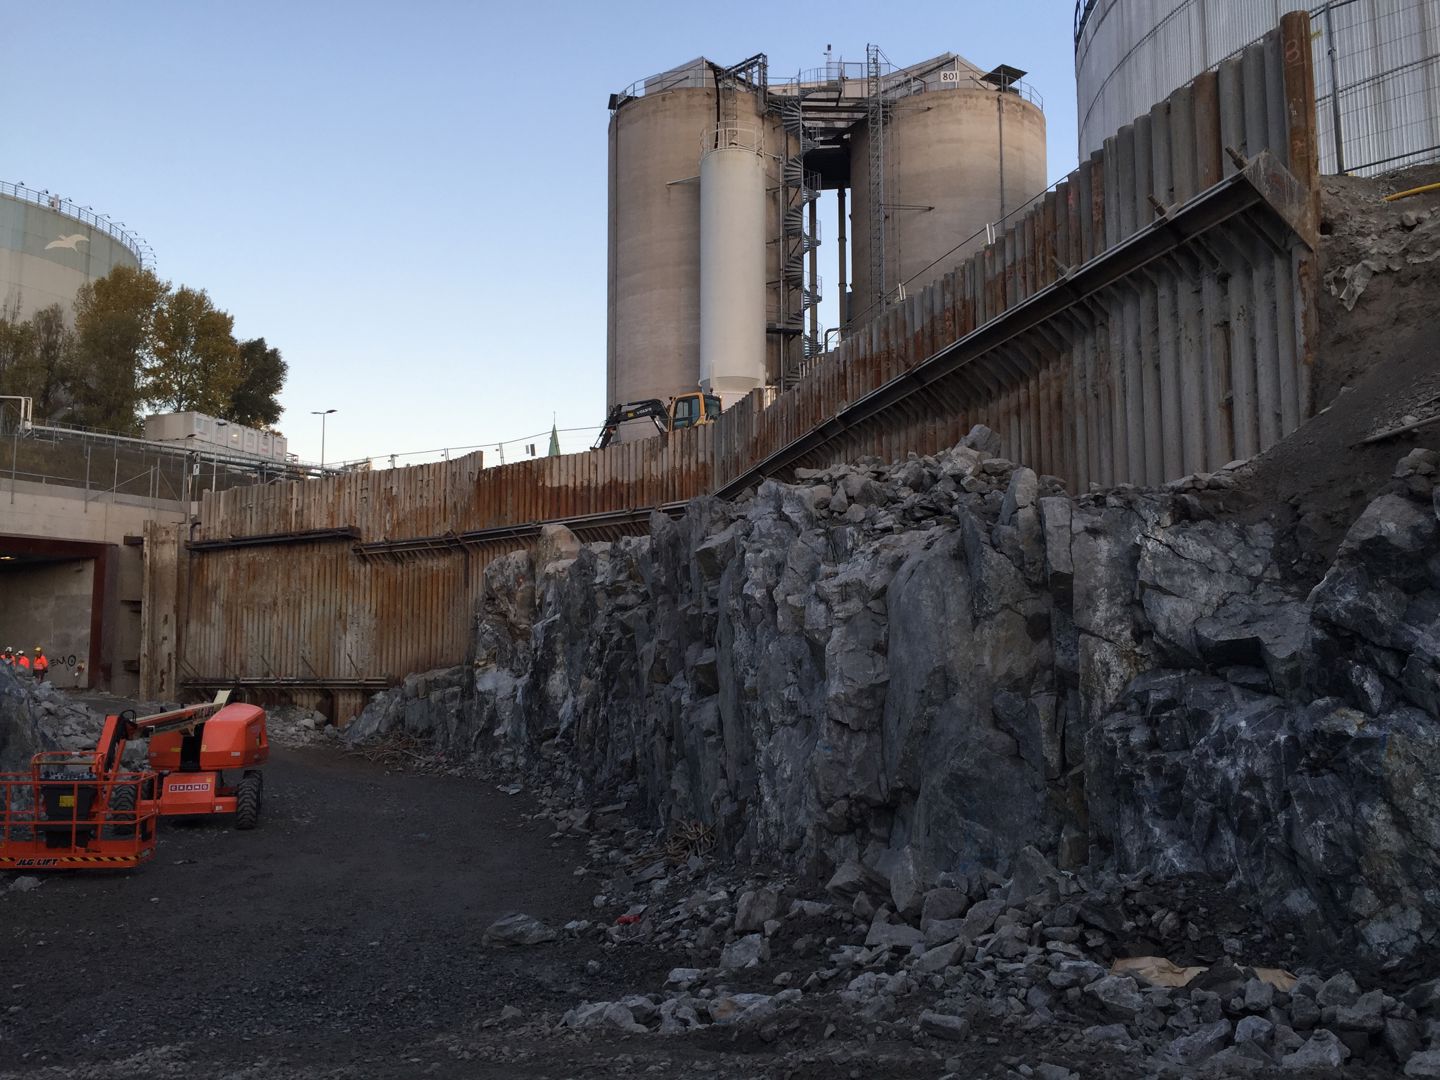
column 87, row 215
column 733, row 136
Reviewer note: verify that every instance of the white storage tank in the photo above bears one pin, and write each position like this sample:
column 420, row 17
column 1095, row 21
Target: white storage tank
column 732, row 261
column 50, row 248
column 658, row 127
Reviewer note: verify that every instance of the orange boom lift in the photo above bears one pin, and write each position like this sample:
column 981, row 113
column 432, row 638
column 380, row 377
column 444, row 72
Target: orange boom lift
column 79, row 810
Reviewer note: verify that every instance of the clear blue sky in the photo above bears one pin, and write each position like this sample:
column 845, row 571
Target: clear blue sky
column 409, row 199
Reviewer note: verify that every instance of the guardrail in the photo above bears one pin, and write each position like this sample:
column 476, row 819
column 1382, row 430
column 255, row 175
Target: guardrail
column 88, row 215
column 896, row 82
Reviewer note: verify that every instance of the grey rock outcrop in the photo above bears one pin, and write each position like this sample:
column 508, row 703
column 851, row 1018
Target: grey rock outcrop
column 427, row 705
column 37, row 716
column 906, row 672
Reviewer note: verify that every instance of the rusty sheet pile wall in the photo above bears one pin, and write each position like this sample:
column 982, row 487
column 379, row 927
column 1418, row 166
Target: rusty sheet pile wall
column 1150, row 317
column 343, row 586
column 1197, row 357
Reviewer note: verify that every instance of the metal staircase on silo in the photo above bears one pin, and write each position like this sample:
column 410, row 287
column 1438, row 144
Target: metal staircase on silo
column 801, row 190
column 878, row 110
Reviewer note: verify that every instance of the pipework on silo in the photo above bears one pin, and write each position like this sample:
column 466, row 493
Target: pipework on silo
column 716, row 175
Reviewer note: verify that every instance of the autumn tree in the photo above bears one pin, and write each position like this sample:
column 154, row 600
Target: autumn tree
column 113, row 345
column 255, row 401
column 194, row 361
column 48, row 369
column 137, row 342
column 17, row 343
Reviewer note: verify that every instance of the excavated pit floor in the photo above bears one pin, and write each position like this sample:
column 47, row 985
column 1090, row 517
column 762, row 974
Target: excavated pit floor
column 340, row 939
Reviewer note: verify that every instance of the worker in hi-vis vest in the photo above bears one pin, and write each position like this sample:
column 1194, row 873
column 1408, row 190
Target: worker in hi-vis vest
column 42, row 665
column 21, row 660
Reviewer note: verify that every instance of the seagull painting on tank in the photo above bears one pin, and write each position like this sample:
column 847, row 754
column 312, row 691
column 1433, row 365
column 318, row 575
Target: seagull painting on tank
column 69, row 243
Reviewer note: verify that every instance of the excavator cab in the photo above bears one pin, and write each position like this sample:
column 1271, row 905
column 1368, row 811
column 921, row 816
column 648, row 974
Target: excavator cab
column 692, row 410
column 683, row 411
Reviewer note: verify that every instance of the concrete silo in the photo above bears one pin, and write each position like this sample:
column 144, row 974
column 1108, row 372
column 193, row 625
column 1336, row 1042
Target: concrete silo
column 961, row 150
column 659, row 129
column 715, row 180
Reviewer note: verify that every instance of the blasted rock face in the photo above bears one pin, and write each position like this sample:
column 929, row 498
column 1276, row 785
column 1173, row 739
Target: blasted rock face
column 1296, row 746
column 1313, row 805
column 897, row 673
column 20, row 734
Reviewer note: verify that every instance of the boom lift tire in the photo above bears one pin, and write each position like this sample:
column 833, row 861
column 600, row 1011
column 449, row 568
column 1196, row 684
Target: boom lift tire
column 121, row 805
column 247, row 801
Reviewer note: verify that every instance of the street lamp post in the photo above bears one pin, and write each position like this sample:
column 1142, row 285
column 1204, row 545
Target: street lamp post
column 322, row 413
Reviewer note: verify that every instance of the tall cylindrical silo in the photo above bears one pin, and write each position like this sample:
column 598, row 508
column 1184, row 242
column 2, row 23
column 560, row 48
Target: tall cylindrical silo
column 733, row 238
column 956, row 158
column 1386, row 62
column 657, row 131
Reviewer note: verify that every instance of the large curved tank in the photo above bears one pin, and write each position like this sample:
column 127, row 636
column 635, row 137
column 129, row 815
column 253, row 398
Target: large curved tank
column 1129, row 55
column 943, row 153
column 657, row 131
column 732, row 262
column 49, row 248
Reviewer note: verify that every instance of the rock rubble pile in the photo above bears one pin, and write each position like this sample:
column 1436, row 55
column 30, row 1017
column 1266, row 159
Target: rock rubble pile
column 1170, row 974
column 37, row 716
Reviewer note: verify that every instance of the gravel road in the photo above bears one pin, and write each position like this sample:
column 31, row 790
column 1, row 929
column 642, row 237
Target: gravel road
column 341, row 938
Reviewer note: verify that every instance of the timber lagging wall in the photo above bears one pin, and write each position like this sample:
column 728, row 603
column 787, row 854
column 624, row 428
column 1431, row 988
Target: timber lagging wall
column 1151, row 316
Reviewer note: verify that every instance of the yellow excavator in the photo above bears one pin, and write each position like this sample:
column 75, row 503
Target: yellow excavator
column 684, row 410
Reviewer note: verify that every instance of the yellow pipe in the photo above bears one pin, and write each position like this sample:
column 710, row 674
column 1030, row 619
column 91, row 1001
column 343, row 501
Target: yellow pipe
column 1412, row 191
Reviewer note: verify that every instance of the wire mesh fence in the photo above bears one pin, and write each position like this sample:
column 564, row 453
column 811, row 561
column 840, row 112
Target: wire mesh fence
column 546, row 443
column 105, row 467
column 1377, row 66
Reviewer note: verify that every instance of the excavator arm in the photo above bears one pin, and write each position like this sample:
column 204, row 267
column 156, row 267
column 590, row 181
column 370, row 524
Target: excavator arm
column 654, row 408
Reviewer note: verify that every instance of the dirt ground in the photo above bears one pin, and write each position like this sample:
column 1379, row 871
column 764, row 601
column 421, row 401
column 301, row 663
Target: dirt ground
column 342, row 939
column 1376, row 369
